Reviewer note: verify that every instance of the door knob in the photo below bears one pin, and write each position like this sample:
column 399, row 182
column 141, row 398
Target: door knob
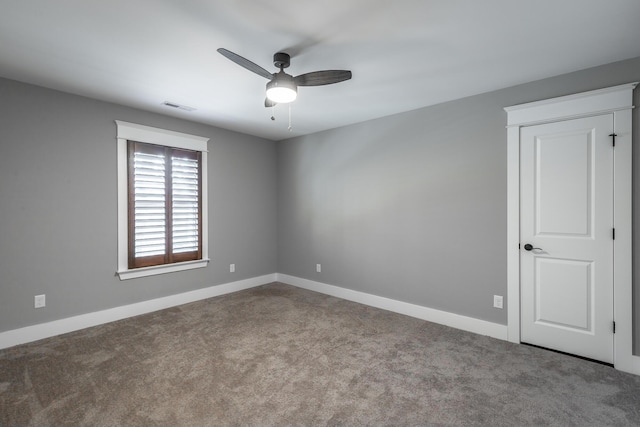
column 529, row 247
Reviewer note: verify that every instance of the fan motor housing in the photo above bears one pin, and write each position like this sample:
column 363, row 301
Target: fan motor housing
column 281, row 60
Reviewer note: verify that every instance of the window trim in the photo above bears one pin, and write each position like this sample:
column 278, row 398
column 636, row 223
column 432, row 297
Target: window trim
column 131, row 131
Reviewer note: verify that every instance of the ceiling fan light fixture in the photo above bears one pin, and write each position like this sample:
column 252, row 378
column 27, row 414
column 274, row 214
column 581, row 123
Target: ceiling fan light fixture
column 282, row 91
column 282, row 87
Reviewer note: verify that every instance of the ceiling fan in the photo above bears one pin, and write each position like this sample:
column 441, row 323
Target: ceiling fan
column 282, row 88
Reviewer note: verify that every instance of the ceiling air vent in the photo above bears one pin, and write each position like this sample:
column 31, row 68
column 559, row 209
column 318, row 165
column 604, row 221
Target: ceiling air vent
column 178, row 106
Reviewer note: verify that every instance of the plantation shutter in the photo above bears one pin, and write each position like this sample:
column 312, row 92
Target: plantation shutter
column 186, row 233
column 164, row 205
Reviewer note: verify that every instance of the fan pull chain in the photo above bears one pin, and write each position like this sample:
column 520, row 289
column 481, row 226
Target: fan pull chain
column 273, row 112
column 290, row 127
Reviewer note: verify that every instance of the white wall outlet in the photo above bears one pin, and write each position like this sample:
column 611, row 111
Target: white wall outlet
column 39, row 301
column 232, row 268
column 318, row 268
column 497, row 301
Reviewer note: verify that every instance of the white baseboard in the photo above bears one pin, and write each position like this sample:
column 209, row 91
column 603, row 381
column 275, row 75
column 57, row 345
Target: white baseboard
column 70, row 324
column 481, row 327
column 57, row 327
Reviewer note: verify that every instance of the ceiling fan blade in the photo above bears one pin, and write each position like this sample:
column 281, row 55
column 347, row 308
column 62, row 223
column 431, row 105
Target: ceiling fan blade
column 319, row 78
column 269, row 103
column 244, row 62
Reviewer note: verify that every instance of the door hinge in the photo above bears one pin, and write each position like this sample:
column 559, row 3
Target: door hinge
column 614, row 327
column 614, row 233
column 613, row 138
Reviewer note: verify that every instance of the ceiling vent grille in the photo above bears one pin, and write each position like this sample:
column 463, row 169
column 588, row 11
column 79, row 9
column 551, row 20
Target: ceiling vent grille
column 178, row 106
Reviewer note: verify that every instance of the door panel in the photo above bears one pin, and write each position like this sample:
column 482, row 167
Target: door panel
column 567, row 212
column 563, row 184
column 557, row 281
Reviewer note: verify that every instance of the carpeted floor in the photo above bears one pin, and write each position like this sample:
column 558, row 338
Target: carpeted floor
column 281, row 356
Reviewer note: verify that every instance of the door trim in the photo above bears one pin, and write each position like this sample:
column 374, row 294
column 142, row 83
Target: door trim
column 617, row 100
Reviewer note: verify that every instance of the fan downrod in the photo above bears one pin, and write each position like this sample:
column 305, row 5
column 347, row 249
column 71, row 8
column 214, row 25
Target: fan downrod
column 281, row 60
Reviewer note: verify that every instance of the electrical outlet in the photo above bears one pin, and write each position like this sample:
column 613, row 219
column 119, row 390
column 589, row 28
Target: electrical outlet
column 232, row 268
column 497, row 301
column 318, row 268
column 39, row 301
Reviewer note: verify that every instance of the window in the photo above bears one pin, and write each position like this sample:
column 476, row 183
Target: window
column 162, row 201
column 164, row 205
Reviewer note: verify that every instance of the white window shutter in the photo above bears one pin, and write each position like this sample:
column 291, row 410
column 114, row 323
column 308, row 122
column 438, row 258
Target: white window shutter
column 185, row 202
column 149, row 198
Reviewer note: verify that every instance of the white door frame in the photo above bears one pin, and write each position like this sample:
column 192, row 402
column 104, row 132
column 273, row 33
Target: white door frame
column 617, row 100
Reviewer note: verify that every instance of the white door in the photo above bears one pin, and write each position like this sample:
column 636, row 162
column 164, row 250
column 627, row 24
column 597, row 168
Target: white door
column 567, row 217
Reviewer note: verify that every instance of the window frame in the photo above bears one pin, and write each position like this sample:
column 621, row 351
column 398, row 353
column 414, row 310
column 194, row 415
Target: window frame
column 140, row 133
column 169, row 256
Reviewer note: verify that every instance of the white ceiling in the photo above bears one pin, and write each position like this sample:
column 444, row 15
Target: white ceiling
column 404, row 54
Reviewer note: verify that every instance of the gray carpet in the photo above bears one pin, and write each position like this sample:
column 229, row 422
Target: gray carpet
column 278, row 355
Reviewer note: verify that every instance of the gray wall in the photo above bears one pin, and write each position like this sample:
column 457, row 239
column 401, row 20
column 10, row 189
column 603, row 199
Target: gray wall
column 58, row 206
column 413, row 206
